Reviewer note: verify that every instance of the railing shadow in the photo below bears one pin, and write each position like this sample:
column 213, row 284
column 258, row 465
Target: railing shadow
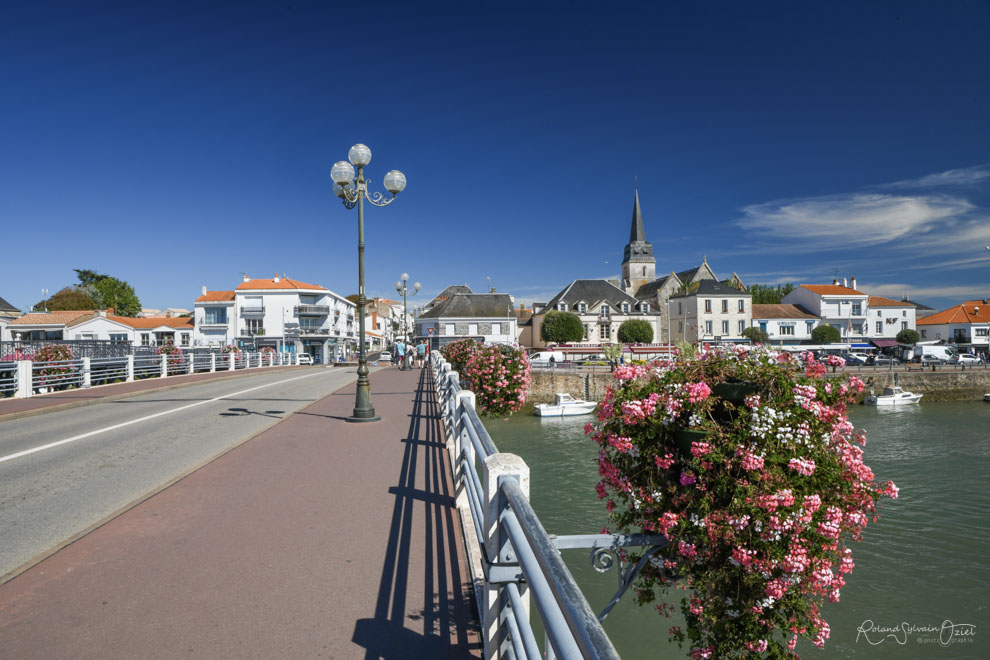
column 447, row 614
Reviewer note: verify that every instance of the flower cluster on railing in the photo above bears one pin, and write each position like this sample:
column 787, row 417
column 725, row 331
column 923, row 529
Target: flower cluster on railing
column 751, row 469
column 499, row 375
column 175, row 360
column 49, row 376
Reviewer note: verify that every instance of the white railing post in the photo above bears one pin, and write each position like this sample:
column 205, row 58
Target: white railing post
column 130, row 369
column 192, row 362
column 459, row 435
column 164, row 365
column 87, row 374
column 297, row 359
column 499, row 548
column 213, row 362
column 232, row 360
column 25, row 373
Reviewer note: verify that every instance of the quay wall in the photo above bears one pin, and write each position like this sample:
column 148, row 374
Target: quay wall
column 942, row 385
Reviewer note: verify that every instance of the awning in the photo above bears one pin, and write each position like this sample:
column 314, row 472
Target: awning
column 883, row 343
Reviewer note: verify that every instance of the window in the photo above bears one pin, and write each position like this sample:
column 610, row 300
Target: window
column 904, row 313
column 725, row 306
column 145, row 339
column 118, row 336
column 645, row 308
column 680, row 327
column 982, row 332
column 307, row 299
column 879, row 327
column 811, row 326
column 763, row 326
column 585, row 330
column 603, row 331
column 787, row 330
column 605, row 310
column 496, row 328
column 215, row 315
column 903, row 325
column 625, row 308
column 857, row 309
column 708, row 305
column 680, row 309
column 742, row 305
column 879, row 313
column 254, row 326
column 725, row 327
column 472, row 329
column 708, row 327
column 448, row 328
column 742, row 326
column 561, row 307
column 924, row 333
column 582, row 307
column 185, row 338
column 87, row 336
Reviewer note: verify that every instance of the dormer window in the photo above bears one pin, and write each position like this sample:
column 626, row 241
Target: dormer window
column 645, row 308
column 561, row 307
column 582, row 307
column 625, row 308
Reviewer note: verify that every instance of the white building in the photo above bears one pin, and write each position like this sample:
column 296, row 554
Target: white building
column 602, row 308
column 842, row 307
column 485, row 317
column 886, row 317
column 785, row 324
column 966, row 325
column 710, row 311
column 280, row 312
column 148, row 331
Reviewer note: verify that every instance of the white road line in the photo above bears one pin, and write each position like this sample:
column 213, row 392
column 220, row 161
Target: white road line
column 27, row 452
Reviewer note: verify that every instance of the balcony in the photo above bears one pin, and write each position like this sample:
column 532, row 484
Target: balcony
column 249, row 332
column 313, row 332
column 252, row 312
column 312, row 310
column 208, row 323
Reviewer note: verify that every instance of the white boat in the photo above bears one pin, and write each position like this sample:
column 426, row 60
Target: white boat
column 564, row 404
column 986, row 397
column 892, row 396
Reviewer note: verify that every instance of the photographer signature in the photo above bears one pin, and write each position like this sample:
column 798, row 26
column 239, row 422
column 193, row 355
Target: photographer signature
column 875, row 634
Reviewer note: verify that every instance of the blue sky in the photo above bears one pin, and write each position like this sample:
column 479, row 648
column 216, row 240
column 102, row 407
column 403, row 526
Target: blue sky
column 180, row 144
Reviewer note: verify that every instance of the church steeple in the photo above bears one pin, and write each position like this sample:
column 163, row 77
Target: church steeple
column 638, row 263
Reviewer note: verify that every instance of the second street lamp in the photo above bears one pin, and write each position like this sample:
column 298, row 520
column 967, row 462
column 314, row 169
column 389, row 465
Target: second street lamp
column 352, row 192
column 403, row 289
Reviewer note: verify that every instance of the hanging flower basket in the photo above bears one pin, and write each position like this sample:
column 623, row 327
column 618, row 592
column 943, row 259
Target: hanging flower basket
column 748, row 465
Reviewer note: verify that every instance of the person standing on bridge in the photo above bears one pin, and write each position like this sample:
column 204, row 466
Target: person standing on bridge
column 421, row 353
column 400, row 353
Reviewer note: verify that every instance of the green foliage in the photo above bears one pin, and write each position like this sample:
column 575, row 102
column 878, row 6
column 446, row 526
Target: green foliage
column 353, row 298
column 756, row 335
column 561, row 327
column 684, row 348
column 765, row 294
column 636, row 331
column 908, row 336
column 612, row 351
column 88, row 276
column 825, row 334
column 67, row 299
column 119, row 295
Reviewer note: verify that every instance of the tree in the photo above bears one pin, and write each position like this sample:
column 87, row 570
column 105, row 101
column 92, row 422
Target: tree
column 908, row 336
column 636, row 331
column 88, row 276
column 353, row 298
column 756, row 335
column 765, row 294
column 561, row 327
column 119, row 295
column 825, row 334
column 67, row 299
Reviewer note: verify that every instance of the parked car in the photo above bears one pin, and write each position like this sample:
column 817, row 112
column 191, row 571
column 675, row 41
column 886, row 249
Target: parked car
column 853, row 359
column 965, row 358
column 305, row 358
column 385, row 356
column 885, row 360
column 928, row 360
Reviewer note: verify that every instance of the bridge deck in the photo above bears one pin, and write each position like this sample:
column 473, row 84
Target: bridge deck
column 316, row 538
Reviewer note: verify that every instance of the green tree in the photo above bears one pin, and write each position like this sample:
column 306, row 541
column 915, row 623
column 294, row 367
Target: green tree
column 353, row 298
column 766, row 294
column 756, row 335
column 119, row 295
column 67, row 299
column 612, row 352
column 88, row 276
column 636, row 331
column 825, row 334
column 908, row 336
column 561, row 327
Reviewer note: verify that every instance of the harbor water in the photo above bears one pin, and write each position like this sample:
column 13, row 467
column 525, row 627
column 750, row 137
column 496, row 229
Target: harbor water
column 921, row 584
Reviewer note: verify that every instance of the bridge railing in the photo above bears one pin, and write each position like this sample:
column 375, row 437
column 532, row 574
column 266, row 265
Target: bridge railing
column 514, row 560
column 25, row 377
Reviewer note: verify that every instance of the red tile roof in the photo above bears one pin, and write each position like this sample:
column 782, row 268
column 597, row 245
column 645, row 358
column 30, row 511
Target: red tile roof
column 781, row 312
column 216, row 296
column 971, row 311
column 61, row 317
column 283, row 284
column 832, row 290
column 877, row 301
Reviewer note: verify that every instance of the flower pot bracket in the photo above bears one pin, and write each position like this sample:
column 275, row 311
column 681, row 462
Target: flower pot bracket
column 605, row 553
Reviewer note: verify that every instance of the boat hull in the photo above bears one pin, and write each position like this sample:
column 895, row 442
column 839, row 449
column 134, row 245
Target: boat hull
column 893, row 400
column 550, row 410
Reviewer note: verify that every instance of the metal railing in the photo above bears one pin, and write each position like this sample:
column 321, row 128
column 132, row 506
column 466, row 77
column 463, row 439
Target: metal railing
column 312, row 310
column 103, row 371
column 56, row 375
column 519, row 560
column 8, row 379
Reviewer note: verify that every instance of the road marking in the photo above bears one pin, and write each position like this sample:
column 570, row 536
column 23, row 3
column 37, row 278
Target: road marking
column 27, row 452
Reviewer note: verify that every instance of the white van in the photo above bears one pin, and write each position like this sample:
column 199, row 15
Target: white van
column 543, row 358
column 942, row 352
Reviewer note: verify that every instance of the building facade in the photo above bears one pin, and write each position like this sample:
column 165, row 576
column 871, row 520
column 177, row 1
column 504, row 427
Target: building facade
column 785, row 324
column 602, row 308
column 842, row 307
column 966, row 325
column 487, row 317
column 710, row 311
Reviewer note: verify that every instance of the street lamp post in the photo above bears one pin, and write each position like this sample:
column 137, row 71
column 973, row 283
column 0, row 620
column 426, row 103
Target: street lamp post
column 352, row 192
column 402, row 288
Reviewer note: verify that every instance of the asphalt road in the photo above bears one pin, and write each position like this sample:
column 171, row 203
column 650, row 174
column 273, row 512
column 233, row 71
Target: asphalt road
column 64, row 472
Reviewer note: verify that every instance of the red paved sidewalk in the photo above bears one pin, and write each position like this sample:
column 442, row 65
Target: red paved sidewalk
column 316, row 538
column 11, row 407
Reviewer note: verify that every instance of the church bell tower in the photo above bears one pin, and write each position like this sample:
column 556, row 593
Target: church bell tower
column 639, row 266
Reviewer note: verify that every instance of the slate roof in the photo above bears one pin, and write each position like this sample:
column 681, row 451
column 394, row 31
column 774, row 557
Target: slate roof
column 448, row 292
column 650, row 289
column 712, row 288
column 781, row 312
column 7, row 307
column 591, row 292
column 472, row 305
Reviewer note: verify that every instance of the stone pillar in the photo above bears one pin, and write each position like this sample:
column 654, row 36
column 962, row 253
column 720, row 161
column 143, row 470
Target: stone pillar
column 130, row 369
column 192, row 362
column 497, row 467
column 25, row 373
column 87, row 375
column 164, row 357
column 213, row 362
column 232, row 363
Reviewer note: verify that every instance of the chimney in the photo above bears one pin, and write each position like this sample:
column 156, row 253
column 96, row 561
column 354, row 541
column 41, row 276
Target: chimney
column 845, row 283
column 246, row 278
column 835, row 282
column 854, row 282
column 275, row 278
column 204, row 289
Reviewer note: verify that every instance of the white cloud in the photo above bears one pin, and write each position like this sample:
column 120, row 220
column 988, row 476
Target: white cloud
column 965, row 176
column 849, row 220
column 959, row 292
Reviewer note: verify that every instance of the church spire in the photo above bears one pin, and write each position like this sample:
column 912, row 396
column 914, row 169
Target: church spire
column 636, row 233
